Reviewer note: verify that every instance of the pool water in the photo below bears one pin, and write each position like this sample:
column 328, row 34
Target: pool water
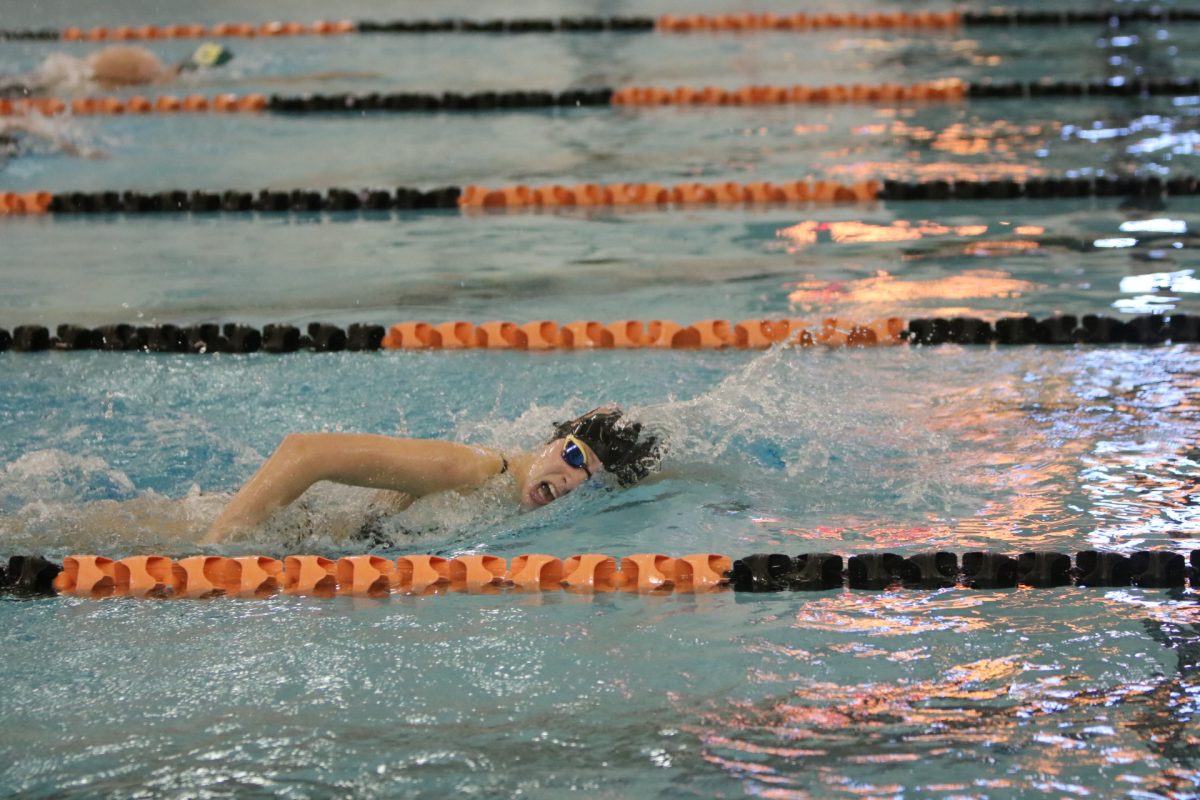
column 952, row 693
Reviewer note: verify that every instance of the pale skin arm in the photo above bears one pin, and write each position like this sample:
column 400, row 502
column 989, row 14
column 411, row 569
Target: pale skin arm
column 414, row 466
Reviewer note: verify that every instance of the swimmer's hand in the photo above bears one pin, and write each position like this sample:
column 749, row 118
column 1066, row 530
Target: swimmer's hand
column 414, row 466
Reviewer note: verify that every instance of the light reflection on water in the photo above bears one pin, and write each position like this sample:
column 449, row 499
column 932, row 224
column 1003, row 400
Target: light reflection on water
column 944, row 693
column 1056, row 707
column 1017, row 249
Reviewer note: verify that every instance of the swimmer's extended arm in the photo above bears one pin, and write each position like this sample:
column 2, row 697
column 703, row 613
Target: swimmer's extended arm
column 413, row 466
column 42, row 128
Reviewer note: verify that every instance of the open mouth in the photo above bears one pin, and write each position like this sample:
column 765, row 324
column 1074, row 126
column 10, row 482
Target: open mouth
column 544, row 493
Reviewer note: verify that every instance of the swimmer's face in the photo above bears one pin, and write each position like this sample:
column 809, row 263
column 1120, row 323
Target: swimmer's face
column 552, row 473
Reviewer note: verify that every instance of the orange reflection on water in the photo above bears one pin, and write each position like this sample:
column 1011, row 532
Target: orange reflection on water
column 1000, row 247
column 808, row 232
column 1001, row 137
column 901, row 535
column 934, row 170
column 971, row 707
column 855, row 231
column 817, row 534
column 888, row 614
column 963, row 138
column 887, row 291
column 1029, row 479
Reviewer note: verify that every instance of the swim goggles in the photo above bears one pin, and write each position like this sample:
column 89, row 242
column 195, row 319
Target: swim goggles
column 575, row 456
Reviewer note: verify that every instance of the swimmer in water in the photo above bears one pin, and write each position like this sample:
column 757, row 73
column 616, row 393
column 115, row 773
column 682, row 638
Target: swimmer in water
column 121, row 66
column 602, row 439
column 16, row 135
column 110, row 68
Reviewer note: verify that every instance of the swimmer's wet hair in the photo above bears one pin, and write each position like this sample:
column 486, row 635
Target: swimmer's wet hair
column 617, row 440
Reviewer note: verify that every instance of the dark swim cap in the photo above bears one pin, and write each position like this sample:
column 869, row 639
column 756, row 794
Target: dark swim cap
column 617, row 441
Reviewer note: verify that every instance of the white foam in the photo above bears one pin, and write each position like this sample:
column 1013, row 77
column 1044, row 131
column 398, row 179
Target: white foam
column 55, row 474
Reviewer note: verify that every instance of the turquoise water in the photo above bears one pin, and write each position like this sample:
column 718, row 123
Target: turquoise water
column 947, row 694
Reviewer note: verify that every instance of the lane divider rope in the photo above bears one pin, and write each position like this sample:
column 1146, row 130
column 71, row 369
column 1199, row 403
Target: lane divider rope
column 545, row 335
column 256, row 576
column 484, row 199
column 691, row 23
column 947, row 90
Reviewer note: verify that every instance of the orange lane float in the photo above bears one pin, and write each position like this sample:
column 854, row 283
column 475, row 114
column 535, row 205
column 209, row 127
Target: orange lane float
column 109, row 105
column 207, row 577
column 648, row 572
column 500, row 336
column 422, row 574
column 309, row 575
column 259, row 577
column 535, row 572
column 946, row 90
column 591, row 572
column 366, row 576
column 709, row 334
column 126, row 33
column 87, row 576
column 143, row 576
column 478, row 574
column 453, row 335
column 669, row 23
column 25, row 203
column 701, row 572
column 584, row 335
column 412, row 336
column 516, row 198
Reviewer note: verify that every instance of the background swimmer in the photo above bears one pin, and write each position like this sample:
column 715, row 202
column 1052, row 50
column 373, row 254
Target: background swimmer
column 601, row 439
column 16, row 133
column 120, row 66
column 109, row 68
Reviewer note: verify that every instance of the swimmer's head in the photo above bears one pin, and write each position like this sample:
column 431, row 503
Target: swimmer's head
column 603, row 439
column 616, row 440
column 207, row 56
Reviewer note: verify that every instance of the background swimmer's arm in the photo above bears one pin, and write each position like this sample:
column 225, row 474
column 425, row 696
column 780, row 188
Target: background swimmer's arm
column 414, row 466
column 44, row 129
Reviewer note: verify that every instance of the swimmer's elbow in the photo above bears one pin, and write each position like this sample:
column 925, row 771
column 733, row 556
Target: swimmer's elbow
column 294, row 441
column 297, row 445
column 300, row 448
column 305, row 458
